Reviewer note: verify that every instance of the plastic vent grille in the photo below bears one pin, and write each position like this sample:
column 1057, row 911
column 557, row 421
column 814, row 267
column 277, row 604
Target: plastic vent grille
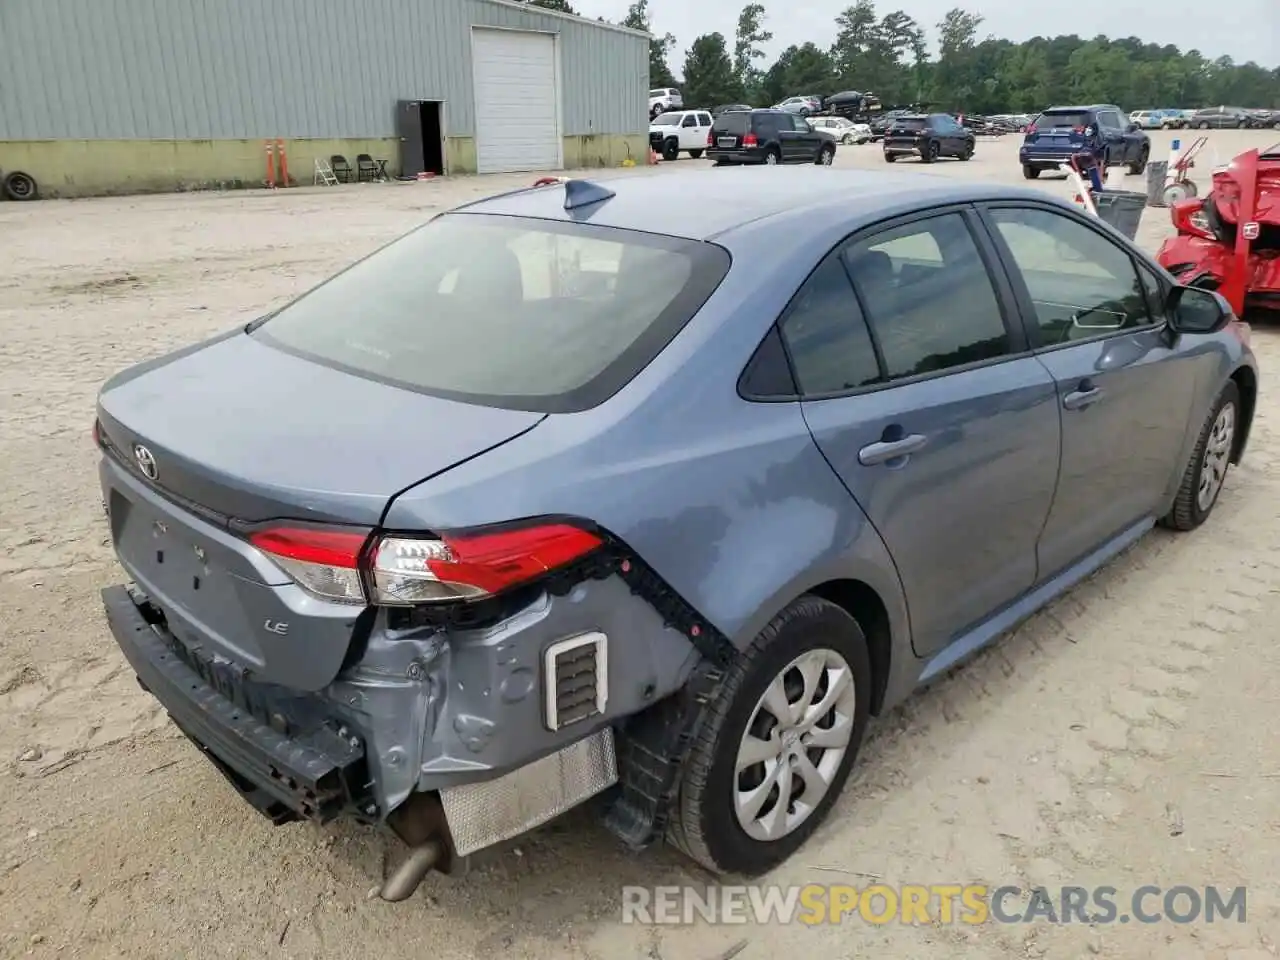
column 576, row 676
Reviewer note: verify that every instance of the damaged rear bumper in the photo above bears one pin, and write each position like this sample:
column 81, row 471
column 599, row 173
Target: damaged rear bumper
column 459, row 716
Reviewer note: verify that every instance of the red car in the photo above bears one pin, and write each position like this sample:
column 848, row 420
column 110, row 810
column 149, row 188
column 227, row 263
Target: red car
column 1229, row 241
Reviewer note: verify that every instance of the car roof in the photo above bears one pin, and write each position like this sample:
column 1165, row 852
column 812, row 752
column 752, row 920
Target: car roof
column 731, row 199
column 1083, row 107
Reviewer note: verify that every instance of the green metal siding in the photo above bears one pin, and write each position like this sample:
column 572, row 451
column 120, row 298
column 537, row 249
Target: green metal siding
column 247, row 69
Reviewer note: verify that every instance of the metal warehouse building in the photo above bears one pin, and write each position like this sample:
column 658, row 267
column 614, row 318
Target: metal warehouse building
column 101, row 96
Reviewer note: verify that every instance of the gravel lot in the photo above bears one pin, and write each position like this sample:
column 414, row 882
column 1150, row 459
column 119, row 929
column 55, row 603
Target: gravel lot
column 1123, row 737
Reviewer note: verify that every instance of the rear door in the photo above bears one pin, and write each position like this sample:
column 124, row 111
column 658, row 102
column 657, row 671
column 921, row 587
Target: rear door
column 690, row 136
column 921, row 395
column 1124, row 392
column 792, row 134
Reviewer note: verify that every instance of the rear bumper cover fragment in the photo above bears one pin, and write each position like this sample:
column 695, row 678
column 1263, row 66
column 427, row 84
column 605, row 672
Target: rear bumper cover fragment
column 316, row 775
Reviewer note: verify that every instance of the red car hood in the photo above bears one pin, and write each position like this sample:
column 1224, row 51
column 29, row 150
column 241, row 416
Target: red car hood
column 1226, row 192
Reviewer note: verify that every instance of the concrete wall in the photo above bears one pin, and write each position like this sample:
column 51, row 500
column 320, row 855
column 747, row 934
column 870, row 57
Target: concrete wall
column 120, row 95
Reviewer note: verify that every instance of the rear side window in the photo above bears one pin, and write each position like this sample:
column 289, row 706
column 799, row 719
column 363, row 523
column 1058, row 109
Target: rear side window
column 928, row 296
column 504, row 311
column 1068, row 119
column 704, row 119
column 826, row 334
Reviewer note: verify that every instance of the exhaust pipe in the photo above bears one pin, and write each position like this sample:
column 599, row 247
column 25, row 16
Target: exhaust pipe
column 409, row 875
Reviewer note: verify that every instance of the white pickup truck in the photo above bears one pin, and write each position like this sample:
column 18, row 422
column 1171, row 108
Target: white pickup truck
column 680, row 131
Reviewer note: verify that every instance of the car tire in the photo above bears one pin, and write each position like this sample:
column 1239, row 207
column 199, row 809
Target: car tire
column 931, row 152
column 1029, row 172
column 967, row 152
column 890, row 157
column 707, row 821
column 772, row 157
column 1206, row 471
column 670, row 149
column 847, row 139
column 826, row 157
column 696, row 154
column 1136, row 168
column 1240, row 125
column 1203, row 125
column 20, row 186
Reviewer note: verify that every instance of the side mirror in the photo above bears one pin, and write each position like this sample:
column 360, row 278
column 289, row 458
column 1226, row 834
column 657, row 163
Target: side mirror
column 1134, row 127
column 1194, row 310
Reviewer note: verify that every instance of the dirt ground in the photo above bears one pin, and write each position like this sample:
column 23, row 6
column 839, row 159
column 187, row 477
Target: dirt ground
column 1123, row 737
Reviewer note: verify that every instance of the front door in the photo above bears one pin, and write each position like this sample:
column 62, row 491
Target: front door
column 1094, row 320
column 409, row 132
column 920, row 394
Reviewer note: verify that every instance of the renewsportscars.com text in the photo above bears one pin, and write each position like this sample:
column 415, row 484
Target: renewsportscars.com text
column 971, row 904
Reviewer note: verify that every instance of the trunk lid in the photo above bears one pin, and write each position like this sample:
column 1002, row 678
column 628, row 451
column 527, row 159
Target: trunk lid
column 238, row 429
column 243, row 429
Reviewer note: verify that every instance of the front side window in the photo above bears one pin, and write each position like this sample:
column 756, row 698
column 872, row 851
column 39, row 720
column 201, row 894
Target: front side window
column 1081, row 283
column 504, row 311
column 667, row 120
column 928, row 296
column 826, row 334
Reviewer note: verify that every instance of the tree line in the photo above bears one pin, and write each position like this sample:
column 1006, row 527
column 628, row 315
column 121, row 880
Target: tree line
column 974, row 73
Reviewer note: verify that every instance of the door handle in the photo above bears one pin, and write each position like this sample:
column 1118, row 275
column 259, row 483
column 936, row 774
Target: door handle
column 874, row 454
column 1079, row 399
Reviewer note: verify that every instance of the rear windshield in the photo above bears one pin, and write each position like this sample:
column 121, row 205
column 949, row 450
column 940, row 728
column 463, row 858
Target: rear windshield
column 910, row 123
column 1066, row 118
column 527, row 314
column 733, row 122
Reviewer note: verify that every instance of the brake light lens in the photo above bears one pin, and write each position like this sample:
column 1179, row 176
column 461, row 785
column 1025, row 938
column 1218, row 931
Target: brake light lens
column 750, row 140
column 97, row 433
column 331, row 563
column 323, row 562
column 409, row 570
column 1188, row 219
column 711, row 140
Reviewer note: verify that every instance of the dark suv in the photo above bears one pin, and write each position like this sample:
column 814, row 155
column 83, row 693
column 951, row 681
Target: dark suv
column 1221, row 118
column 928, row 137
column 1101, row 130
column 768, row 136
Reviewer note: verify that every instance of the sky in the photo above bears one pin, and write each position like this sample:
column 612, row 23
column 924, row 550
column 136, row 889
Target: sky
column 1250, row 32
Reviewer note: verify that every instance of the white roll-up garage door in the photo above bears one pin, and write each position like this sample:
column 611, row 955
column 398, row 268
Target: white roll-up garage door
column 517, row 102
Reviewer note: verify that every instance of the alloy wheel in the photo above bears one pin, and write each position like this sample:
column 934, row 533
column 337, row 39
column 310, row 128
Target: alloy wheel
column 771, row 158
column 1217, row 456
column 794, row 744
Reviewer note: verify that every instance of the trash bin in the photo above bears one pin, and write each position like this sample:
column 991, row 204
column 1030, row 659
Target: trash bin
column 1157, row 170
column 1122, row 209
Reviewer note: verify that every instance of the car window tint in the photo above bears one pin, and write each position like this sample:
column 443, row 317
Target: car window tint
column 505, row 311
column 928, row 296
column 1081, row 283
column 827, row 336
column 704, row 119
column 1154, row 290
column 689, row 121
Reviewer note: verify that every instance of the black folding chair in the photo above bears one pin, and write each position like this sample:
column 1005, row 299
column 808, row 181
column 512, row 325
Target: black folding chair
column 341, row 169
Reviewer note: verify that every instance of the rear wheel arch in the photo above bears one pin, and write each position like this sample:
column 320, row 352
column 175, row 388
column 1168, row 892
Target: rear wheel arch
column 863, row 603
column 1247, row 383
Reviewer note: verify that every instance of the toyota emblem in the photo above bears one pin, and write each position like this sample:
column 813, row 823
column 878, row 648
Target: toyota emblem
column 146, row 461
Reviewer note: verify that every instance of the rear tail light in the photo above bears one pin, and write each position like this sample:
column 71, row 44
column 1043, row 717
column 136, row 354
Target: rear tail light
column 1188, row 218
column 353, row 567
column 323, row 562
column 97, row 432
column 711, row 140
column 750, row 140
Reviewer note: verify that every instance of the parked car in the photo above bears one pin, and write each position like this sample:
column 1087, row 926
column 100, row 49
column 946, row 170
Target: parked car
column 1204, row 250
column 1266, row 118
column 803, row 105
column 675, row 518
column 880, row 125
column 1172, row 119
column 663, row 100
column 846, row 131
column 929, row 138
column 1146, row 119
column 681, row 131
column 1100, row 130
column 1219, row 118
column 768, row 136
column 856, row 105
column 730, row 108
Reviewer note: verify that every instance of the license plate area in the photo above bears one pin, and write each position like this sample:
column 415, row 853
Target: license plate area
column 726, row 141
